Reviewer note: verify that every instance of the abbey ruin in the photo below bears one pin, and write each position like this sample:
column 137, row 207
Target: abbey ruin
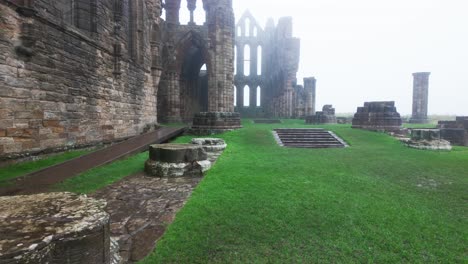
column 266, row 64
column 77, row 73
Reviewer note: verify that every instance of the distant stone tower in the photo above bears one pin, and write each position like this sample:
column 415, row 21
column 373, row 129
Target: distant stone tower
column 309, row 86
column 420, row 97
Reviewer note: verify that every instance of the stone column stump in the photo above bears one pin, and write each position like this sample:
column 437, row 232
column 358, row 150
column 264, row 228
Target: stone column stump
column 54, row 228
column 214, row 147
column 177, row 160
column 428, row 139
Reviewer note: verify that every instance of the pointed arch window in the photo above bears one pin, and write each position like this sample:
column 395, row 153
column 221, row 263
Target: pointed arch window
column 247, row 60
column 246, row 96
column 259, row 90
column 259, row 60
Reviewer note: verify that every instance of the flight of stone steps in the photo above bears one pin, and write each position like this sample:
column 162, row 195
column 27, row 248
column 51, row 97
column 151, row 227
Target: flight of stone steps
column 308, row 138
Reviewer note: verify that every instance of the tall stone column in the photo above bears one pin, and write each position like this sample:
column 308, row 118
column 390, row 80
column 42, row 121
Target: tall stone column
column 310, row 88
column 173, row 103
column 221, row 25
column 172, row 11
column 420, row 97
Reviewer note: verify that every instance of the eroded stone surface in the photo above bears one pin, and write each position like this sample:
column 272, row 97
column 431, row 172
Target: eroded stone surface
column 213, row 147
column 141, row 208
column 177, row 153
column 53, row 228
column 428, row 139
column 177, row 160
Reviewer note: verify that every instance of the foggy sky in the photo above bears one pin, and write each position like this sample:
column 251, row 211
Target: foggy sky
column 367, row 50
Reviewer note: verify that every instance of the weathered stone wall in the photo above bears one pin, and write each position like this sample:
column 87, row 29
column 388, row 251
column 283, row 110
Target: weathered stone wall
column 273, row 68
column 68, row 82
column 378, row 116
column 455, row 131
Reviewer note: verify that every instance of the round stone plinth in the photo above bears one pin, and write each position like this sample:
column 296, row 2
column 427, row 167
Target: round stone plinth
column 177, row 153
column 53, row 228
column 214, row 147
column 209, row 123
column 177, row 160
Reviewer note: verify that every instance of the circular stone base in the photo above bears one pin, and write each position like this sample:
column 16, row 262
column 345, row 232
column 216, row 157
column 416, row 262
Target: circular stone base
column 174, row 170
column 214, row 147
column 177, row 153
column 53, row 228
column 177, row 160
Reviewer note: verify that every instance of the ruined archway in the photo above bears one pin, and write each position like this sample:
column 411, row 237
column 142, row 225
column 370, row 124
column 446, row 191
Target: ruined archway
column 193, row 66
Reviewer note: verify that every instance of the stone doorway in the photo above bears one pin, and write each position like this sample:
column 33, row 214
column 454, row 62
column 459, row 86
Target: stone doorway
column 193, row 85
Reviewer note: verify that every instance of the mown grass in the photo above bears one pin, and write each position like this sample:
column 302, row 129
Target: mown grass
column 16, row 170
column 376, row 201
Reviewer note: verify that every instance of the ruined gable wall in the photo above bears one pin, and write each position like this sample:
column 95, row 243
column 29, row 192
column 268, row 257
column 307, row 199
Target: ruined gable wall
column 61, row 86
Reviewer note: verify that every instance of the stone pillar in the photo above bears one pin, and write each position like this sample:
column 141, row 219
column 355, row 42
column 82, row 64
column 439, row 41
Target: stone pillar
column 172, row 11
column 310, row 89
column 221, row 28
column 191, row 5
column 420, row 97
column 173, row 103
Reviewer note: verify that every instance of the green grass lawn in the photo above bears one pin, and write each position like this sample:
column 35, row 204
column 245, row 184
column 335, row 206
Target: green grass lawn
column 23, row 168
column 99, row 177
column 376, row 201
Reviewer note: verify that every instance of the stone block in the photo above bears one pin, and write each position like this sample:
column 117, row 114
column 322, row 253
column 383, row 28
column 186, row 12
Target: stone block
column 55, row 228
column 177, row 160
column 378, row 116
column 214, row 147
column 177, row 153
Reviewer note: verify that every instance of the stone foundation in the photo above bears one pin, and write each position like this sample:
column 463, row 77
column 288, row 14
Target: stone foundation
column 213, row 147
column 378, row 116
column 428, row 139
column 215, row 122
column 455, row 131
column 177, row 160
column 326, row 116
column 53, row 228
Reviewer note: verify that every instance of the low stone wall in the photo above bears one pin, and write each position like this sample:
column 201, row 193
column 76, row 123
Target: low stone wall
column 455, row 131
column 428, row 139
column 53, row 228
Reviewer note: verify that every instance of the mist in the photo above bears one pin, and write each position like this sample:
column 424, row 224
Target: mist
column 367, row 50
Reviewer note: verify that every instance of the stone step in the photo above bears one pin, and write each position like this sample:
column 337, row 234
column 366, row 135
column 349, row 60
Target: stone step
column 311, row 141
column 308, row 138
column 304, row 137
column 315, row 146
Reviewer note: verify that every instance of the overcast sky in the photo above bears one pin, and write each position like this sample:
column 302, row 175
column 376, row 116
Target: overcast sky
column 367, row 50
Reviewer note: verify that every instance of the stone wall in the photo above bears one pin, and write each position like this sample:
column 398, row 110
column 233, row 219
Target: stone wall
column 455, row 131
column 69, row 80
column 76, row 73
